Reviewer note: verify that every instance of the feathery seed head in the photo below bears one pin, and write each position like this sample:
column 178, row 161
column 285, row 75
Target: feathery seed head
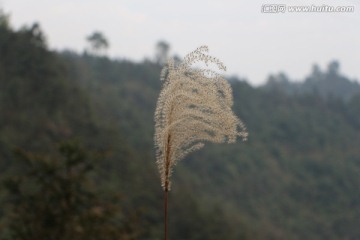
column 194, row 106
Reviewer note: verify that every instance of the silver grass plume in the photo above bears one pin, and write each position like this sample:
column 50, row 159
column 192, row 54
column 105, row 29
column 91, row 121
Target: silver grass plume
column 194, row 106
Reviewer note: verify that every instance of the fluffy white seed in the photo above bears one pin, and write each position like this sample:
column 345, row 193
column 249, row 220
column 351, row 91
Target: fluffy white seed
column 194, row 106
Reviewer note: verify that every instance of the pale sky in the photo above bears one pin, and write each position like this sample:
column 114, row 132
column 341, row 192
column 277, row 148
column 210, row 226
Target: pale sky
column 252, row 44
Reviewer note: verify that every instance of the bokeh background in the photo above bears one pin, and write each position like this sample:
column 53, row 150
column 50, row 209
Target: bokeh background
column 79, row 82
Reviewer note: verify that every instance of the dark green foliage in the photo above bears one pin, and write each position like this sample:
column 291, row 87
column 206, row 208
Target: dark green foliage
column 36, row 98
column 54, row 198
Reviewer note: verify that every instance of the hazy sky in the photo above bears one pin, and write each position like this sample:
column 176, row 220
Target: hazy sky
column 252, row 44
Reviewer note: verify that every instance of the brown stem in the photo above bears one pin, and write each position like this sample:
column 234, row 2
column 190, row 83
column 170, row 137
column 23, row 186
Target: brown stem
column 166, row 214
column 166, row 189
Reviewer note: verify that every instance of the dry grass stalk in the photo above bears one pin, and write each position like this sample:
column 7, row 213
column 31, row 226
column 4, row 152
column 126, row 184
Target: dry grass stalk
column 194, row 106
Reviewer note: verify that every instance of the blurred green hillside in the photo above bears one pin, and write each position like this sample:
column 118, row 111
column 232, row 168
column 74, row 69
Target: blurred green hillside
column 297, row 177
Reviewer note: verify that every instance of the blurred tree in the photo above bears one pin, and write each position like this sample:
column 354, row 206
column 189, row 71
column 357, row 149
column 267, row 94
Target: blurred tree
column 316, row 73
column 4, row 19
column 162, row 52
column 333, row 67
column 54, row 199
column 36, row 35
column 98, row 43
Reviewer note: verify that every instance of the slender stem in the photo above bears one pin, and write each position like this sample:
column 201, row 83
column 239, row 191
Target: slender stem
column 166, row 189
column 166, row 214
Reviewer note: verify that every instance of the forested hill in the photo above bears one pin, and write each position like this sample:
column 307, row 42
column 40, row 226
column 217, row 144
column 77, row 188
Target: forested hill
column 297, row 177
